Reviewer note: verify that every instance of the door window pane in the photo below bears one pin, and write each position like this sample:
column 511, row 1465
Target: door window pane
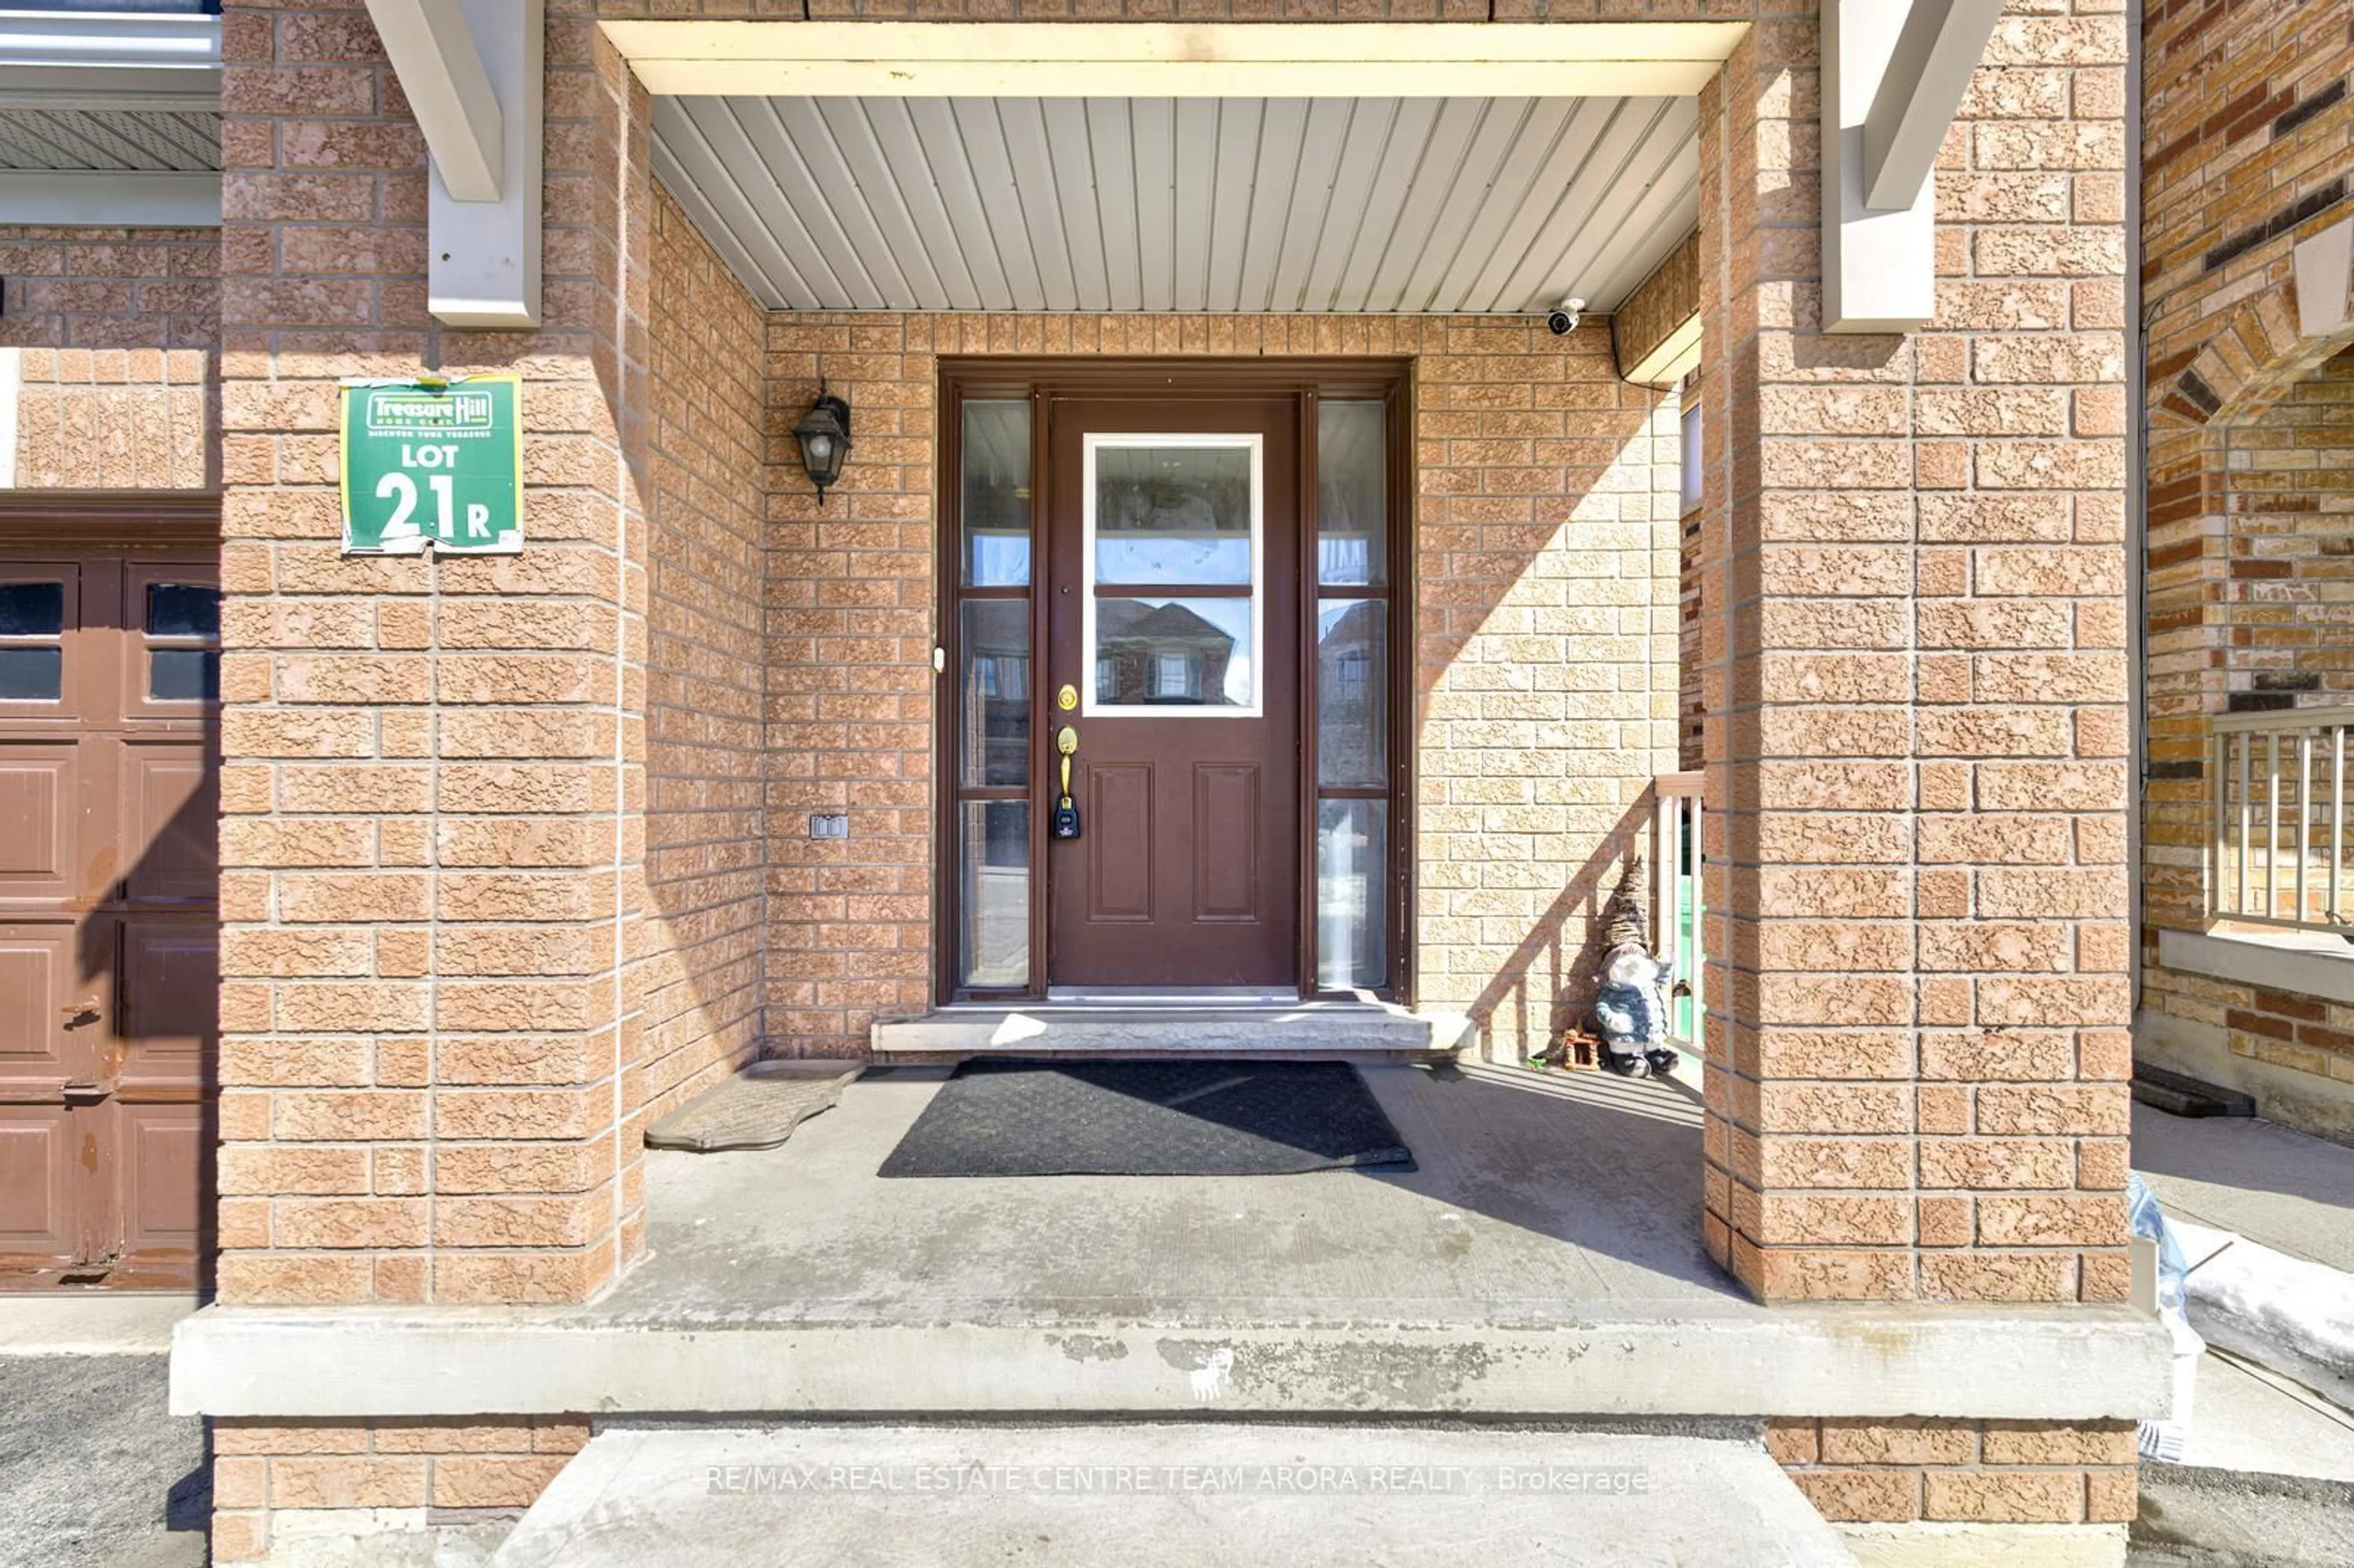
column 182, row 609
column 994, row 859
column 1352, row 873
column 32, row 609
column 184, row 675
column 1352, row 699
column 1184, row 653
column 995, row 692
column 1174, row 513
column 995, row 458
column 31, row 674
column 1352, row 493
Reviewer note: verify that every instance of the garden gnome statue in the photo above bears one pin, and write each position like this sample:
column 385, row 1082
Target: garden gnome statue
column 1631, row 1013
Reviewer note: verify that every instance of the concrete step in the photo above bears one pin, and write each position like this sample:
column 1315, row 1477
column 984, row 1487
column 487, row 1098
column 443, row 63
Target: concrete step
column 2178, row 1093
column 1298, row 1031
column 1173, row 1495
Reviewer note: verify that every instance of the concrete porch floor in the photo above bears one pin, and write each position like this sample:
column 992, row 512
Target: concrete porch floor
column 1545, row 1260
column 1536, row 1195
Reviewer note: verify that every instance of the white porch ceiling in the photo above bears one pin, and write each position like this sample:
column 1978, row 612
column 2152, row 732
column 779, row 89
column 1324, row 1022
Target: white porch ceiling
column 1450, row 205
column 154, row 140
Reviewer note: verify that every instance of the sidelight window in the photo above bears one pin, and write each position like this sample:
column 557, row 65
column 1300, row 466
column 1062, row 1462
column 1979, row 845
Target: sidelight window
column 1352, row 697
column 994, row 696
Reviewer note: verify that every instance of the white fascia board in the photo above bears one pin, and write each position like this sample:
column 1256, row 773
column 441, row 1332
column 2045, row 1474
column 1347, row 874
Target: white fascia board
column 108, row 198
column 1880, row 268
column 52, row 59
column 433, row 52
column 1939, row 46
column 1675, row 356
column 168, row 89
column 83, row 39
column 1155, row 59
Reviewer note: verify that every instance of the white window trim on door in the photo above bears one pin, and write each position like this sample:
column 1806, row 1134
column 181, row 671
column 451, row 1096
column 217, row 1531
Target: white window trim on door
column 1094, row 708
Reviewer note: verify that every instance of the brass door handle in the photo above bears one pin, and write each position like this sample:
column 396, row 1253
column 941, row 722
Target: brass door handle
column 1067, row 741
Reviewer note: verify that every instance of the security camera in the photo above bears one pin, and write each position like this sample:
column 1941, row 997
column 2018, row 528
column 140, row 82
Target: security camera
column 1563, row 321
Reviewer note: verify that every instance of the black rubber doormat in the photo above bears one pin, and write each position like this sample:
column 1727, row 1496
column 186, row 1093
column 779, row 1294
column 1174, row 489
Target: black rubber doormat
column 1007, row 1117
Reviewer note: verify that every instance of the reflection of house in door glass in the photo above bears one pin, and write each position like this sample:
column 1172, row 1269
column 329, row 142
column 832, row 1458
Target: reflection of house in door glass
column 997, row 693
column 1173, row 515
column 1185, row 652
column 1350, row 660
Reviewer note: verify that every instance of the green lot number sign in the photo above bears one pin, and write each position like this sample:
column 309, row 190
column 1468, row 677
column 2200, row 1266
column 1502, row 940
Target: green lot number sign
column 433, row 463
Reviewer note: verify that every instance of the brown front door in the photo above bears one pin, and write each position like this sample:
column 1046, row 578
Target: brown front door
column 1174, row 615
column 109, row 944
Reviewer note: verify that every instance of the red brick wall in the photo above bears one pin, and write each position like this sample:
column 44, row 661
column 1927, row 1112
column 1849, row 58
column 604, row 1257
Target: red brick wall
column 2246, row 134
column 116, row 333
column 2285, row 614
column 2291, row 535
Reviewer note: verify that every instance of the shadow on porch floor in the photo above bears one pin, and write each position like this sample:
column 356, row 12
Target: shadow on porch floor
column 1535, row 1193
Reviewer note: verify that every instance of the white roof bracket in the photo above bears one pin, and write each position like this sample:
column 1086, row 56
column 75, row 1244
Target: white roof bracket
column 472, row 72
column 1936, row 50
column 442, row 71
column 1894, row 75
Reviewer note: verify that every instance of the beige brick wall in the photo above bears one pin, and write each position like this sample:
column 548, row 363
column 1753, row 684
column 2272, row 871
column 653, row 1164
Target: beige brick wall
column 260, row 1467
column 1913, row 664
column 1546, row 647
column 2246, row 137
column 440, row 944
column 114, row 334
column 705, row 937
column 1963, row 1472
column 425, row 1100
column 1913, row 667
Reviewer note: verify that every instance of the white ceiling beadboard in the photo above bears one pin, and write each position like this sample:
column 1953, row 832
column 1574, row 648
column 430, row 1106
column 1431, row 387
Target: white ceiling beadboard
column 153, row 140
column 1455, row 204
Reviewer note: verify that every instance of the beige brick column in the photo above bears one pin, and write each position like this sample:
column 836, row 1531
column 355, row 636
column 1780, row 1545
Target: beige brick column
column 1916, row 689
column 432, row 770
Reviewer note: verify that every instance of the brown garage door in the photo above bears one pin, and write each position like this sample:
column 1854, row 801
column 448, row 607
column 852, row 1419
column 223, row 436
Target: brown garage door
column 109, row 934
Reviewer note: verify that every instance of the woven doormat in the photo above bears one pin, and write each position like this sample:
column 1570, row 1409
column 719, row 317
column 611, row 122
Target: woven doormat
column 1003, row 1117
column 756, row 1108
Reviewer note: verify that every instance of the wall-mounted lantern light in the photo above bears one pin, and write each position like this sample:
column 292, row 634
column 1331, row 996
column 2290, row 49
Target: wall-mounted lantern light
column 824, row 435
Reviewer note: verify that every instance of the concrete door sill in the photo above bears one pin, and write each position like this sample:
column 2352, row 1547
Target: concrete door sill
column 1158, row 1028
